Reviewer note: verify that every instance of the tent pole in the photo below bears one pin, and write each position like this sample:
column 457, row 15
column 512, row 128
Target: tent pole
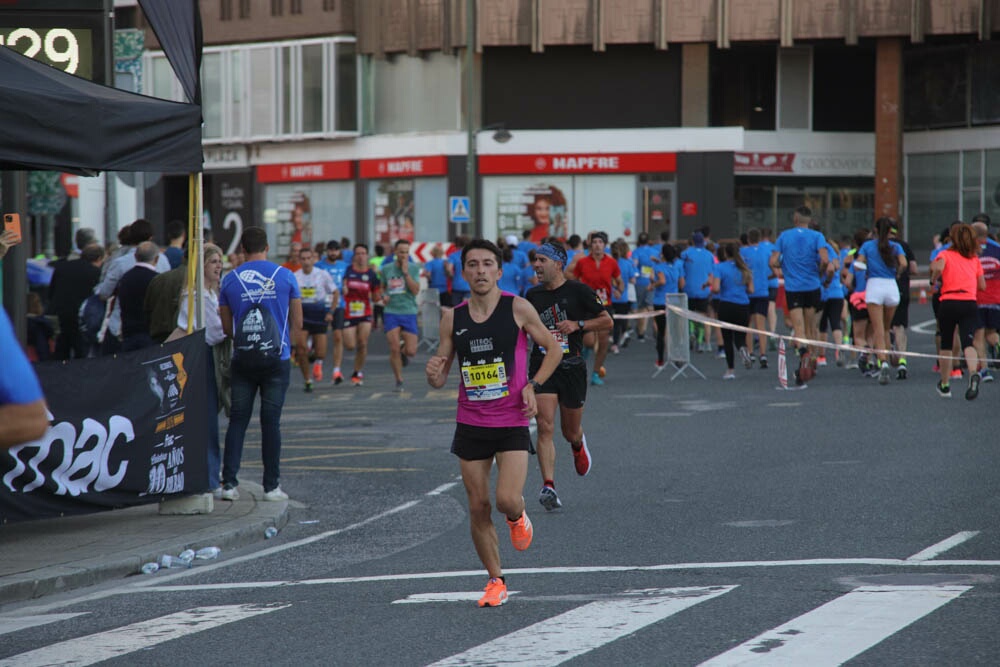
column 191, row 254
column 200, row 271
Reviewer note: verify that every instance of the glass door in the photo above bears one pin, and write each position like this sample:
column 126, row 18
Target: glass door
column 656, row 209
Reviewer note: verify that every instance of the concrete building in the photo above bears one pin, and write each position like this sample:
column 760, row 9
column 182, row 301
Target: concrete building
column 327, row 119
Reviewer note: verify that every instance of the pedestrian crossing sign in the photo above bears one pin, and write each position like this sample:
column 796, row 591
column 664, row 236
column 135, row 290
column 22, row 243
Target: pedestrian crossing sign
column 458, row 208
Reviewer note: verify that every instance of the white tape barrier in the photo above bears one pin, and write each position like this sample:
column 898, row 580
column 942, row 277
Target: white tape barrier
column 704, row 319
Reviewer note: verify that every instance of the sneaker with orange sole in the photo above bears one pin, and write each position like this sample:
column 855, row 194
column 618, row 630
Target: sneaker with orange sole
column 357, row 379
column 338, row 377
column 521, row 533
column 496, row 593
column 317, row 371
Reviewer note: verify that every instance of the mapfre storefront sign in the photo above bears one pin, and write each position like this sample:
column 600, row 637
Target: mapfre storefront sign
column 127, row 430
column 582, row 163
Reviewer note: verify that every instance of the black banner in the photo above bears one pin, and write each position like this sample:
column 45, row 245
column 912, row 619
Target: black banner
column 125, row 430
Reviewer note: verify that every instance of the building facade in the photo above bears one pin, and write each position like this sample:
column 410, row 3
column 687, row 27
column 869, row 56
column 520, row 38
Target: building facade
column 337, row 118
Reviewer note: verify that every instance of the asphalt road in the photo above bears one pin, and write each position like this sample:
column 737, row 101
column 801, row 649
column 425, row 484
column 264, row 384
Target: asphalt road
column 728, row 522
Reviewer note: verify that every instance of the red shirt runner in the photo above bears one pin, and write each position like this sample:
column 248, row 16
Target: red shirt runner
column 598, row 276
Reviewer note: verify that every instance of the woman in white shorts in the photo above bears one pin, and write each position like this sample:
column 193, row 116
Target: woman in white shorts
column 884, row 259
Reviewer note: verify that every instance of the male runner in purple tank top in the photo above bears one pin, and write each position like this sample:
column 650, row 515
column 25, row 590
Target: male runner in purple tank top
column 496, row 399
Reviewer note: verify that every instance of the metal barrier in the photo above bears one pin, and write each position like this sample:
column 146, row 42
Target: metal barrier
column 678, row 338
column 429, row 318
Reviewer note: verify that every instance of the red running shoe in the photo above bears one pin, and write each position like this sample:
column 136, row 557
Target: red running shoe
column 581, row 458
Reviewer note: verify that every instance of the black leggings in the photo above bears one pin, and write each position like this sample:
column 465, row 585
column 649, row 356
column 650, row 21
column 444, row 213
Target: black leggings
column 661, row 335
column 620, row 325
column 732, row 313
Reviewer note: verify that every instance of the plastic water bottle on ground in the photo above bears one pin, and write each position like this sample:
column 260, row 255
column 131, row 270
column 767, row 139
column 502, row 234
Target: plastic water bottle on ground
column 207, row 553
column 186, row 556
column 270, row 532
column 167, row 562
column 149, row 568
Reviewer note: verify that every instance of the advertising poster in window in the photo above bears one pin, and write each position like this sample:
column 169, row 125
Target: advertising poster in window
column 294, row 222
column 542, row 207
column 231, row 207
column 395, row 212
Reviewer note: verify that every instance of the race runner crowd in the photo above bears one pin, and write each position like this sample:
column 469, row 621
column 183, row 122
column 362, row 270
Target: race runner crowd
column 523, row 320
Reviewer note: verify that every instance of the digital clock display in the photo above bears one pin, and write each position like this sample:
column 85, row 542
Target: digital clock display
column 72, row 36
column 68, row 49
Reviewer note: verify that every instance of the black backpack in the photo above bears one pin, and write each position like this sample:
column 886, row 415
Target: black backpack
column 257, row 341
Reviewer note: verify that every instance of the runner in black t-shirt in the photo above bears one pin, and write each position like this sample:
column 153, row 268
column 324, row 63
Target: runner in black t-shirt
column 567, row 308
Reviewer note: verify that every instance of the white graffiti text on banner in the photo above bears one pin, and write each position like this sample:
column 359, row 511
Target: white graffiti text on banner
column 87, row 451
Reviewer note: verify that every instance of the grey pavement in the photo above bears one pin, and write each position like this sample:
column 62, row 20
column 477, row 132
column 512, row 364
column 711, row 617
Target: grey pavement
column 48, row 556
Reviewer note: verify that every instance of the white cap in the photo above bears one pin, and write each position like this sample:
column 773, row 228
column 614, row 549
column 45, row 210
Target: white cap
column 511, row 240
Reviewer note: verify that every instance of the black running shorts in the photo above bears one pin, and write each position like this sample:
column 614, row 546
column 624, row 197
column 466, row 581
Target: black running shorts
column 478, row 443
column 569, row 382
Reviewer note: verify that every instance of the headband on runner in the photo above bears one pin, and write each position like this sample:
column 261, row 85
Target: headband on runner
column 553, row 252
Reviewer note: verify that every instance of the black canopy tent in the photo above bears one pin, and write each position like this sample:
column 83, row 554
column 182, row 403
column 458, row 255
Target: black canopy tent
column 50, row 120
column 53, row 120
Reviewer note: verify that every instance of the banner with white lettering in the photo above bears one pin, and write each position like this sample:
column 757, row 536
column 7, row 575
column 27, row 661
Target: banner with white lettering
column 231, row 206
column 124, row 431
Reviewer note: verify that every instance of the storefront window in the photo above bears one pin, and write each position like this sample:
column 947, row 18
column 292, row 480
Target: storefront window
column 839, row 210
column 559, row 205
column 413, row 209
column 307, row 213
column 932, row 197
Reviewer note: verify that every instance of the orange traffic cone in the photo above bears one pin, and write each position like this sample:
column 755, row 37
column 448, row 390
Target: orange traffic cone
column 923, row 296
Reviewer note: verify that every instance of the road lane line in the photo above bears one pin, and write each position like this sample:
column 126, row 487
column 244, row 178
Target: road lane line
column 10, row 624
column 136, row 637
column 162, row 586
column 944, row 545
column 458, row 596
column 566, row 636
column 842, row 628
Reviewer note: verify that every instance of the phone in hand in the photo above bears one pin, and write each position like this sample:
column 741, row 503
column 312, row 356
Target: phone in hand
column 12, row 223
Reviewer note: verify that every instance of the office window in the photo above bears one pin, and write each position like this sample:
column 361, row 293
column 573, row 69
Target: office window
column 277, row 7
column 261, row 80
column 225, row 10
column 347, row 88
column 935, row 84
column 211, row 95
column 313, row 77
column 743, row 83
column 795, row 89
column 295, row 6
column 244, row 9
column 329, row 5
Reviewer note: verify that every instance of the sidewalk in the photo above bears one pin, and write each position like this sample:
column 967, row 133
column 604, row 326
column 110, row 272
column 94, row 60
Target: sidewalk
column 39, row 558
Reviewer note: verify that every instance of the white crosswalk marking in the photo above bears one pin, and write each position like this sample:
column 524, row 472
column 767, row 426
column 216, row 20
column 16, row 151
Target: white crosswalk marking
column 11, row 624
column 560, row 638
column 842, row 628
column 122, row 641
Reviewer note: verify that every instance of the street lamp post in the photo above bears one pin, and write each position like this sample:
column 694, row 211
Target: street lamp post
column 470, row 113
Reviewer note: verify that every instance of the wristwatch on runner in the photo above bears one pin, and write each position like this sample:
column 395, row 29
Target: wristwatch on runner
column 534, row 385
column 580, row 324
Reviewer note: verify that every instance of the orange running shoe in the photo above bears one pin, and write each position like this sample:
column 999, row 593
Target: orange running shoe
column 520, row 533
column 317, row 371
column 601, row 372
column 581, row 457
column 496, row 593
column 337, row 377
column 357, row 379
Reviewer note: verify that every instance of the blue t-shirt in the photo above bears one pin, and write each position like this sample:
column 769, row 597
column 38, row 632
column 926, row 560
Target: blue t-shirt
column 860, row 276
column 799, row 248
column 834, row 290
column 174, row 255
column 18, row 383
column 526, row 246
column 769, row 248
column 643, row 257
column 877, row 267
column 336, row 271
column 670, row 273
column 437, row 278
column 347, row 256
column 757, row 258
column 520, row 257
column 699, row 264
column 458, row 283
column 628, row 272
column 272, row 295
column 510, row 281
column 731, row 286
